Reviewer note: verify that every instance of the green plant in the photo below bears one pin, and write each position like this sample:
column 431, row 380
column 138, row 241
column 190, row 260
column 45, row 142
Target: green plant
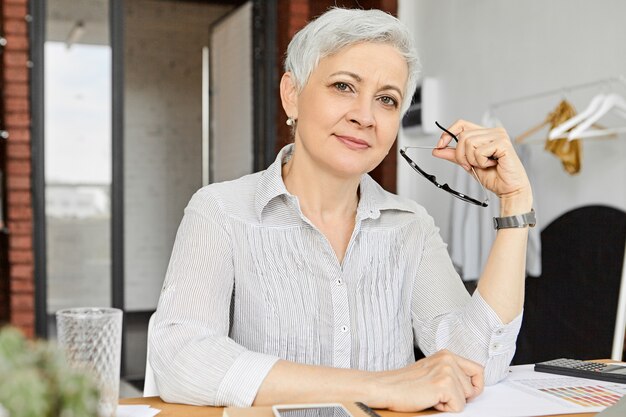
column 36, row 381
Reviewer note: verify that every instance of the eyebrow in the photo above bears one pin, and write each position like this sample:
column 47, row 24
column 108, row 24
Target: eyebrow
column 359, row 79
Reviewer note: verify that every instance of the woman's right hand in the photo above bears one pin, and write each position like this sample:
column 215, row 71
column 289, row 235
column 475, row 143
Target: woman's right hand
column 444, row 381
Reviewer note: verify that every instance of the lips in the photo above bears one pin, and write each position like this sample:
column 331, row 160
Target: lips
column 353, row 143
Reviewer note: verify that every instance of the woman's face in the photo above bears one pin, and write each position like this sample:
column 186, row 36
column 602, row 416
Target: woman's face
column 349, row 111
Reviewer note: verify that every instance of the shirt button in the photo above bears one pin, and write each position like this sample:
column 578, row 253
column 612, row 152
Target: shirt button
column 344, row 328
column 339, row 281
column 495, row 346
column 499, row 332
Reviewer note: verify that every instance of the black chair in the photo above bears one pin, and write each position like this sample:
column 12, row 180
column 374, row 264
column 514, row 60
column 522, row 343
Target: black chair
column 570, row 309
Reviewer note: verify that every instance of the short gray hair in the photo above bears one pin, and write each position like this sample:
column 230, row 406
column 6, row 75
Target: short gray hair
column 339, row 28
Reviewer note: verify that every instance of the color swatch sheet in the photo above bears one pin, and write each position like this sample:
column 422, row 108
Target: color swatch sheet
column 582, row 392
column 527, row 393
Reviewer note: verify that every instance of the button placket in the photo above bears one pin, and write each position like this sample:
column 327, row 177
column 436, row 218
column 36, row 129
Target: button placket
column 342, row 340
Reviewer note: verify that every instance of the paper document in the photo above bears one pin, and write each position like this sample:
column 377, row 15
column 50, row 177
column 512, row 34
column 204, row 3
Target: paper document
column 136, row 411
column 616, row 410
column 526, row 393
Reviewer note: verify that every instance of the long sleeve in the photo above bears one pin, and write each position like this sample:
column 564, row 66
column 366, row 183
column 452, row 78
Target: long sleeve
column 471, row 230
column 446, row 317
column 194, row 360
column 250, row 281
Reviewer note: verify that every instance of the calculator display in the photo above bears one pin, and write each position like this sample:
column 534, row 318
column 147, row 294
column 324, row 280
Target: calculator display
column 615, row 369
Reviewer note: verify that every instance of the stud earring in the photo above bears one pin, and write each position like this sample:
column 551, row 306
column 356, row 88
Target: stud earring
column 290, row 121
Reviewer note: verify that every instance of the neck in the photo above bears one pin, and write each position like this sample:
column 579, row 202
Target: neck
column 326, row 198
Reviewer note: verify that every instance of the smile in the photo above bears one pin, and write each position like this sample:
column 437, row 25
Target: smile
column 353, row 143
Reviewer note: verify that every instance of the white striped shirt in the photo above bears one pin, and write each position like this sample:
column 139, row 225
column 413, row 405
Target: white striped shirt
column 251, row 280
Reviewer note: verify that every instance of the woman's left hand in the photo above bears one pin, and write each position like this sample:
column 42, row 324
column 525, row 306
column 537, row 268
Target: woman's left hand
column 490, row 152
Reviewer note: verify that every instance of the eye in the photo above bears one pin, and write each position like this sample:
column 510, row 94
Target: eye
column 388, row 101
column 341, row 86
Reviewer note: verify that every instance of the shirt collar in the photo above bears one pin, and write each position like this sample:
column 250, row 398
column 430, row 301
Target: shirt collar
column 271, row 183
column 373, row 198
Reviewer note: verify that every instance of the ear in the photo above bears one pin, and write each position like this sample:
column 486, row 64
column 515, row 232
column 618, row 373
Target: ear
column 289, row 95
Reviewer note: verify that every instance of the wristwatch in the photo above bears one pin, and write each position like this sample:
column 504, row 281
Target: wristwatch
column 520, row 220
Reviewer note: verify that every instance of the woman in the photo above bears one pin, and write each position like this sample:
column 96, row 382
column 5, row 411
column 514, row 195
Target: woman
column 308, row 282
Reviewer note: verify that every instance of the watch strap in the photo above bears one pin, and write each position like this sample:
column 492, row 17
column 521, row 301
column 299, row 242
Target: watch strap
column 517, row 221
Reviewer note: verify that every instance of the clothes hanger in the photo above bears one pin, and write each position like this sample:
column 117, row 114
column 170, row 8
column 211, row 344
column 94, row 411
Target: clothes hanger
column 562, row 112
column 560, row 130
column 610, row 102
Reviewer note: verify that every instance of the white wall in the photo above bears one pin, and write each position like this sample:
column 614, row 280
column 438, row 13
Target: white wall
column 484, row 51
column 162, row 133
column 231, row 96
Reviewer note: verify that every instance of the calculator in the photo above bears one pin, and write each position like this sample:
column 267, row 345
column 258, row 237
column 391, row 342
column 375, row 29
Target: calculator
column 584, row 369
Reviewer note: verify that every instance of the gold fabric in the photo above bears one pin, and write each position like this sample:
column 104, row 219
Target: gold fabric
column 568, row 151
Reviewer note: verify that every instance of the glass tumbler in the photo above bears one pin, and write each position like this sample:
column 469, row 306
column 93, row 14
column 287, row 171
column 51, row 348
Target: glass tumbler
column 92, row 339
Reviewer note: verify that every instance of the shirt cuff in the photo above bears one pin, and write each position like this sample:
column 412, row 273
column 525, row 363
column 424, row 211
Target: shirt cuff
column 244, row 378
column 485, row 324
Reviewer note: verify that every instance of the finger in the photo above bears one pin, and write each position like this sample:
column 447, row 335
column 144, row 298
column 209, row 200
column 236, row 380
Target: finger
column 476, row 139
column 468, row 140
column 457, row 128
column 453, row 131
column 453, row 401
column 449, row 154
column 462, row 380
column 488, row 147
column 463, row 125
column 486, row 155
column 470, row 152
column 446, row 408
column 496, row 149
column 470, row 137
column 446, row 138
column 474, row 371
column 461, row 154
column 466, row 384
column 478, row 382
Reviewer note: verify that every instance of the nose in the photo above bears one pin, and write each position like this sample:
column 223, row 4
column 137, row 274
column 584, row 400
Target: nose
column 362, row 113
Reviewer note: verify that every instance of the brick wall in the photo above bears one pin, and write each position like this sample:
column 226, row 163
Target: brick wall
column 20, row 295
column 292, row 16
column 4, row 270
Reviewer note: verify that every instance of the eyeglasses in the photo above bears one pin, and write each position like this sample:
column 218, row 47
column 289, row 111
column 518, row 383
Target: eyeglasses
column 446, row 187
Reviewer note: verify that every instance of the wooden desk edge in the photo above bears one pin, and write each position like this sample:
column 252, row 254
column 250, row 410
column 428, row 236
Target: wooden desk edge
column 182, row 410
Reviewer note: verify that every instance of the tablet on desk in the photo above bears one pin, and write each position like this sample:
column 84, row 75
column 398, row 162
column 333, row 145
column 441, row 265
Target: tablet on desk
column 310, row 410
